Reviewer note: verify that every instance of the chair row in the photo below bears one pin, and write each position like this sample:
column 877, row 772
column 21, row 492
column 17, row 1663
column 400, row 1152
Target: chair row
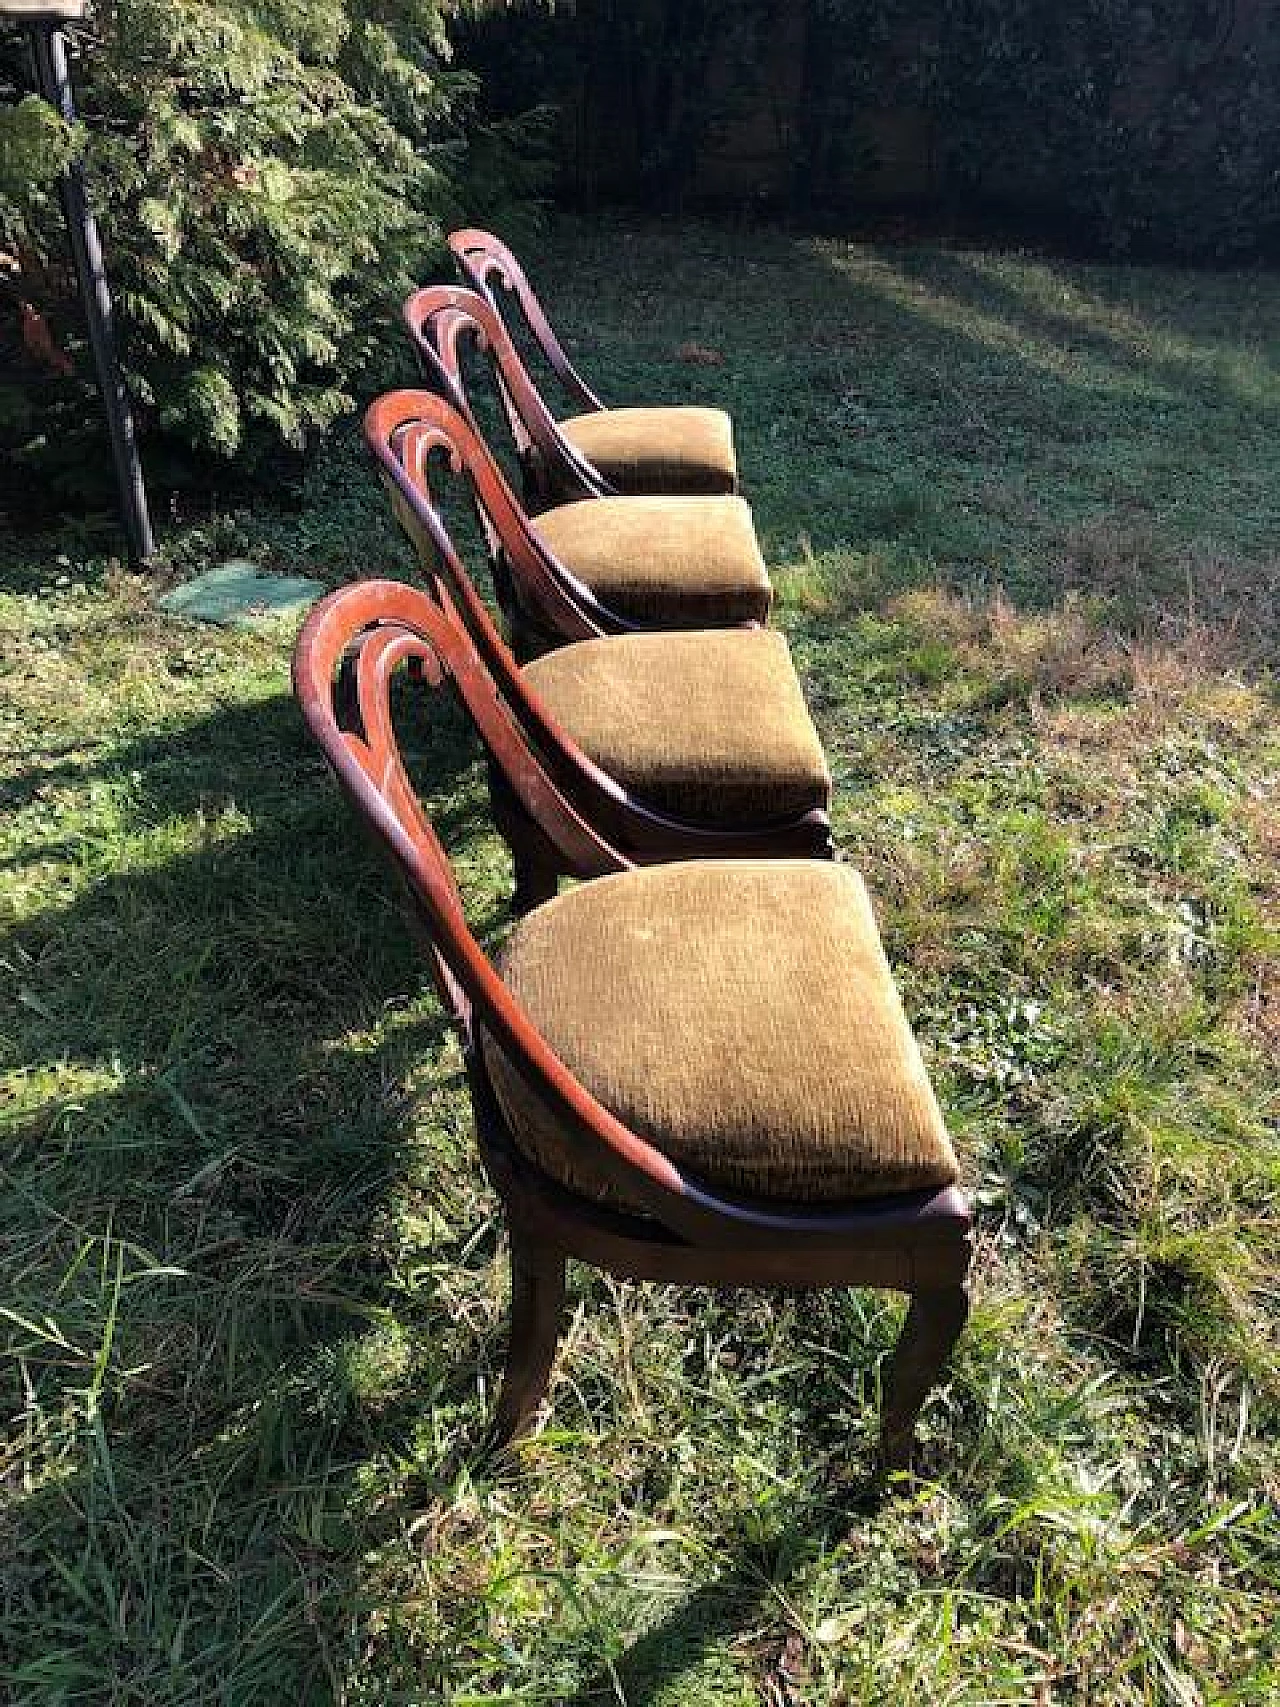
column 678, row 743
column 694, row 1067
column 583, row 558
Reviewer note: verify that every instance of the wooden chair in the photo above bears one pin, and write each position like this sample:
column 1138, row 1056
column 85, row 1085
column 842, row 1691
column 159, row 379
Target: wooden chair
column 653, row 562
column 679, row 746
column 694, row 1072
column 674, row 449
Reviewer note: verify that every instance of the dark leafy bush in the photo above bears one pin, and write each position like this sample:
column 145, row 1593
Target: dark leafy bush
column 1155, row 126
column 271, row 177
column 642, row 87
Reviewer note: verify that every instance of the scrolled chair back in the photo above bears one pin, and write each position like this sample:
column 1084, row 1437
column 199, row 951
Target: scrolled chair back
column 346, row 658
column 418, row 440
column 488, row 266
column 404, row 431
column 447, row 323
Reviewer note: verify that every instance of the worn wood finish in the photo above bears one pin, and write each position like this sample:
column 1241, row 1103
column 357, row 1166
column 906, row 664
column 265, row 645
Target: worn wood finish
column 415, row 435
column 537, row 1308
column 346, row 656
column 444, row 323
column 935, row 1321
column 403, row 430
column 554, row 470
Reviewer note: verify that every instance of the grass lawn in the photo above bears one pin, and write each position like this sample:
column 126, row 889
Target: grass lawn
column 1025, row 522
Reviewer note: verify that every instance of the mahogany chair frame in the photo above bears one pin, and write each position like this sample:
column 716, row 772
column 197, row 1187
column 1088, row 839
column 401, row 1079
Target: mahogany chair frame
column 410, row 433
column 487, row 266
column 540, row 596
column 442, row 320
column 683, row 1231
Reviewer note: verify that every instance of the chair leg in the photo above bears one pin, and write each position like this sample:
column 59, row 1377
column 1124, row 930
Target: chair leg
column 933, row 1325
column 537, row 867
column 537, row 1305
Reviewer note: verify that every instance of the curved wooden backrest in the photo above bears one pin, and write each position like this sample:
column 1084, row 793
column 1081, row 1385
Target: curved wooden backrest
column 413, row 434
column 353, row 645
column 488, row 266
column 346, row 656
column 444, row 322
column 403, row 429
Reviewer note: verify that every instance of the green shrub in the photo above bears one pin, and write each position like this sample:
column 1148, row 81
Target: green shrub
column 271, row 178
column 1155, row 127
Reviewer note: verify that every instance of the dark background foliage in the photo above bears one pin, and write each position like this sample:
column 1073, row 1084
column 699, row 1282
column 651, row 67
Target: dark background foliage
column 1113, row 125
column 271, row 179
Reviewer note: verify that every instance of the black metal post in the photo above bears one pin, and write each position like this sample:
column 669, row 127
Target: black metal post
column 53, row 77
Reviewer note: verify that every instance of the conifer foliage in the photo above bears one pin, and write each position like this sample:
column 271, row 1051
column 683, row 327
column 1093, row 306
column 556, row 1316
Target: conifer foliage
column 271, row 177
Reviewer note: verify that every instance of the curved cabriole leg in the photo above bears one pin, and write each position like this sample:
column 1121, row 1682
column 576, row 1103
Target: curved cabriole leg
column 537, row 1305
column 934, row 1323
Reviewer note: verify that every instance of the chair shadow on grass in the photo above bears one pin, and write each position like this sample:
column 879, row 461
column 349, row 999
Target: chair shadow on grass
column 766, row 1562
column 196, row 1214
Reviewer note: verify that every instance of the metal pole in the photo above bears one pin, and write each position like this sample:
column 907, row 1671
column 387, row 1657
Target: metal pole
column 49, row 44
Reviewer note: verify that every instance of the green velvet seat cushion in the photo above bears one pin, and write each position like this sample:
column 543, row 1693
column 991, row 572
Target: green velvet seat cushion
column 738, row 1014
column 680, row 449
column 710, row 727
column 672, row 562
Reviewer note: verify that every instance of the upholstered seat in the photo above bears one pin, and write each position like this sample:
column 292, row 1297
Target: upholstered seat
column 680, row 562
column 683, row 449
column 741, row 1016
column 711, row 727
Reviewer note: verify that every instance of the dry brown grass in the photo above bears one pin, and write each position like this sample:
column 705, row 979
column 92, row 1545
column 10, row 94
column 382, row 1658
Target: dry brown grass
column 1259, row 1018
column 1094, row 682
column 1259, row 1015
column 1228, row 604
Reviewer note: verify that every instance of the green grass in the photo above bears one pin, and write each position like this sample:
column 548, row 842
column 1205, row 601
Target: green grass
column 1023, row 518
